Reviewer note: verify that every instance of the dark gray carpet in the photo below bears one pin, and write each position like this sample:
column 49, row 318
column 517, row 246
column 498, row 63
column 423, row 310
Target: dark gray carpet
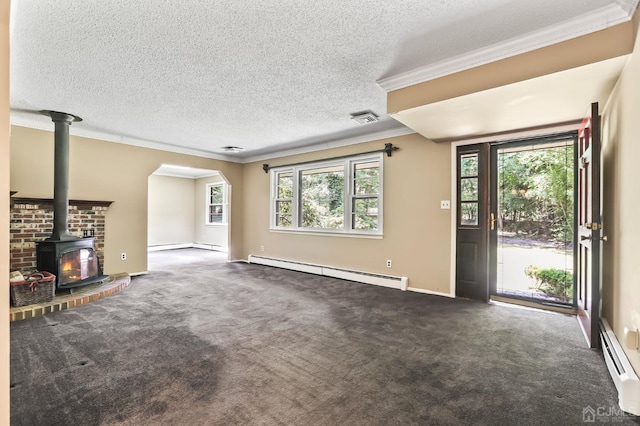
column 203, row 342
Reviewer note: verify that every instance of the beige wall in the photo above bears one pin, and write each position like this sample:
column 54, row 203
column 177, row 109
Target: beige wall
column 215, row 235
column 171, row 210
column 621, row 150
column 416, row 232
column 4, row 210
column 115, row 172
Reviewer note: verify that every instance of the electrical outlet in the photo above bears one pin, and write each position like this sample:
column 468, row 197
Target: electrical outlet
column 123, row 256
column 445, row 204
column 261, row 248
column 388, row 263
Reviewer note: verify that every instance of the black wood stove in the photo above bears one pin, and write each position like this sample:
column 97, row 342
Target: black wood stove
column 71, row 259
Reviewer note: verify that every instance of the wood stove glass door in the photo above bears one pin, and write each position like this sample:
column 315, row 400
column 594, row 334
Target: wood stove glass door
column 77, row 265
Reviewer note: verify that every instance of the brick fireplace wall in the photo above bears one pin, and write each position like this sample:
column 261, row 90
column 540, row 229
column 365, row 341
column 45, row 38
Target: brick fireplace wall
column 31, row 220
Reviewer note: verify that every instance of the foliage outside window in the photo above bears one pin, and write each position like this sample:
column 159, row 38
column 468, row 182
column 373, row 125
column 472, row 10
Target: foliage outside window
column 469, row 189
column 216, row 204
column 284, row 199
column 536, row 191
column 343, row 196
column 322, row 197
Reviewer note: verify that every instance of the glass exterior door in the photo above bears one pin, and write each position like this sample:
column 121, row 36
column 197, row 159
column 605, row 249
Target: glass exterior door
column 532, row 220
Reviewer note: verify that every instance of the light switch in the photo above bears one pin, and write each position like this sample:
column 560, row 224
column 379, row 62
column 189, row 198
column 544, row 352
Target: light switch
column 631, row 338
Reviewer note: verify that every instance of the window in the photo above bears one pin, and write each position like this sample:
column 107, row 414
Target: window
column 469, row 189
column 340, row 196
column 366, row 187
column 284, row 199
column 216, row 203
column 322, row 197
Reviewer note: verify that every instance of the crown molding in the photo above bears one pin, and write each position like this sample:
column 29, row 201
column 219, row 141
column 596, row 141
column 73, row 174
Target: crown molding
column 369, row 137
column 36, row 123
column 40, row 124
column 599, row 19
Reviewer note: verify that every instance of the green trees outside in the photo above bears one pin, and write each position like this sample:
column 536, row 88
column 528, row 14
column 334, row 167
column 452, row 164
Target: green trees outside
column 366, row 187
column 469, row 202
column 535, row 202
column 536, row 193
column 284, row 197
column 322, row 196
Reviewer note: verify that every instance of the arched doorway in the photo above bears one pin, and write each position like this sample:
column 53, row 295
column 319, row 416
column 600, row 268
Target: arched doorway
column 188, row 208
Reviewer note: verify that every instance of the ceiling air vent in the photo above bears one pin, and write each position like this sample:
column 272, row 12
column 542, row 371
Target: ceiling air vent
column 232, row 149
column 365, row 117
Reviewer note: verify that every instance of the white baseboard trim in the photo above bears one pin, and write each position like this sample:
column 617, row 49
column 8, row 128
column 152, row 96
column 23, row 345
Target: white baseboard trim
column 169, row 247
column 188, row 245
column 211, row 247
column 433, row 293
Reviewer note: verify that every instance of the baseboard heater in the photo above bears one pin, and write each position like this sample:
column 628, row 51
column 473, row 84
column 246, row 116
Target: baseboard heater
column 400, row 283
column 625, row 379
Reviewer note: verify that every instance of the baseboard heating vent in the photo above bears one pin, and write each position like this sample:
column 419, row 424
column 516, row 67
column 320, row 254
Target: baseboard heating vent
column 391, row 281
column 625, row 379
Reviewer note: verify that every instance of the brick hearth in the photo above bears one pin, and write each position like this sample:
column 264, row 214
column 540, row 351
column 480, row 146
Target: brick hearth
column 115, row 284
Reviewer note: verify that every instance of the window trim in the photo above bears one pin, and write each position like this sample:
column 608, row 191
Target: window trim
column 224, row 204
column 348, row 164
column 274, row 197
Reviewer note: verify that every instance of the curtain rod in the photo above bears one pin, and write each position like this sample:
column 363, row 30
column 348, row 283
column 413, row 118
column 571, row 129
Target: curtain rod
column 388, row 149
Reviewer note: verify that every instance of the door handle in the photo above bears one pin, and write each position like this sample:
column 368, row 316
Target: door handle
column 493, row 221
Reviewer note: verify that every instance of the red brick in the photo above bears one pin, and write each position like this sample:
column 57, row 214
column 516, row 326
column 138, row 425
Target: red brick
column 23, row 235
column 33, row 223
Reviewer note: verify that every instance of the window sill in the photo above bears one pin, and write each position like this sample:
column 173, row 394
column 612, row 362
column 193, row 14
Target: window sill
column 216, row 224
column 367, row 235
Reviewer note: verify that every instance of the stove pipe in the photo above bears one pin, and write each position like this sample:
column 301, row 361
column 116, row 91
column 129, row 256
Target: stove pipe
column 61, row 176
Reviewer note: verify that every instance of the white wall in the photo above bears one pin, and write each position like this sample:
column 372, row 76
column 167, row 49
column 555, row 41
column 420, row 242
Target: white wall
column 171, row 210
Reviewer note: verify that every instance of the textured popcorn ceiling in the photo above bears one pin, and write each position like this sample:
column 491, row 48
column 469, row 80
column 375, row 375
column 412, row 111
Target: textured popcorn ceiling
column 263, row 75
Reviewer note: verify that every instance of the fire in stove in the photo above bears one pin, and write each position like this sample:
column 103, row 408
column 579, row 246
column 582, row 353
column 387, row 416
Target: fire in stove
column 77, row 265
